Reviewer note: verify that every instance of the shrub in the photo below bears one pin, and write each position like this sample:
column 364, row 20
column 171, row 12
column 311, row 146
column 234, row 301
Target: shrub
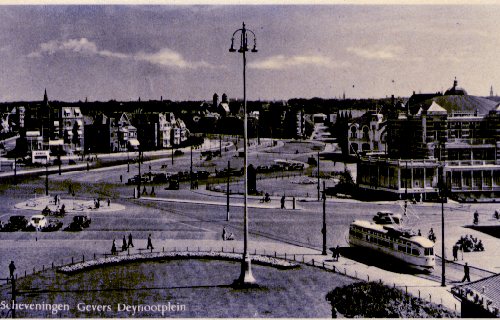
column 375, row 300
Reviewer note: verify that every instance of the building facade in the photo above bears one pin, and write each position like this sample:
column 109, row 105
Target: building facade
column 458, row 149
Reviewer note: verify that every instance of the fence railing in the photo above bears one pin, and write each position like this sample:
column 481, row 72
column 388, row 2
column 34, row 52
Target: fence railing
column 300, row 258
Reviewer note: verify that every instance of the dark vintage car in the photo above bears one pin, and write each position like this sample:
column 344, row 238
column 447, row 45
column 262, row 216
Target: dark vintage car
column 79, row 223
column 16, row 223
column 173, row 184
column 53, row 225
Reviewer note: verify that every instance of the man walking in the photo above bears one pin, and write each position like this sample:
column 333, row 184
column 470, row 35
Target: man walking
column 124, row 244
column 150, row 243
column 130, row 243
column 455, row 252
column 12, row 268
column 283, row 202
column 224, row 234
column 466, row 273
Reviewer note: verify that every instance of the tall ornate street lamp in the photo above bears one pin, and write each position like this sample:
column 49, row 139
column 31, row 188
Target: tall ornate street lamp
column 246, row 276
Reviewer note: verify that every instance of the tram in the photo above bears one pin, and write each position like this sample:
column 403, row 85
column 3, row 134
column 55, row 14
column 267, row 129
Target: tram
column 393, row 240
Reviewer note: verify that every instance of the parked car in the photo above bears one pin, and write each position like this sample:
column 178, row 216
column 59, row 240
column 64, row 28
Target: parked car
column 173, row 184
column 52, row 225
column 84, row 221
column 16, row 223
column 79, row 223
column 38, row 221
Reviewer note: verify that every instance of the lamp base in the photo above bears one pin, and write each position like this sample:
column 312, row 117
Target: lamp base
column 246, row 278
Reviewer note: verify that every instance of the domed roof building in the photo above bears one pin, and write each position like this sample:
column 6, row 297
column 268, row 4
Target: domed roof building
column 455, row 90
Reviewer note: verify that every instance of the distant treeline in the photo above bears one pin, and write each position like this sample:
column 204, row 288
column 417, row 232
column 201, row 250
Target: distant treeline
column 313, row 105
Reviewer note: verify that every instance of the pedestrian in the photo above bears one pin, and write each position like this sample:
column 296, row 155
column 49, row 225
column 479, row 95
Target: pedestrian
column 144, row 191
column 12, row 268
column 455, row 252
column 224, row 233
column 113, row 248
column 121, row 179
column 283, row 202
column 130, row 243
column 124, row 244
column 419, row 233
column 150, row 243
column 476, row 217
column 152, row 190
column 466, row 273
column 109, row 202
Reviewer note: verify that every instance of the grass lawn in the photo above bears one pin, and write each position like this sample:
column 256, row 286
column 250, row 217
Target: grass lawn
column 202, row 286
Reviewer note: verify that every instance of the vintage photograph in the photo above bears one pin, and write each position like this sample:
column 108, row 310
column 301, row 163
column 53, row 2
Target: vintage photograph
column 249, row 160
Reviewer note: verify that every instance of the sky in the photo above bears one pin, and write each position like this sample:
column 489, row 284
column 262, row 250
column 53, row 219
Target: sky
column 180, row 52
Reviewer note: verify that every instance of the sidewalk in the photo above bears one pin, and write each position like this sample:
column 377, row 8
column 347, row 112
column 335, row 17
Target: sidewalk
column 426, row 289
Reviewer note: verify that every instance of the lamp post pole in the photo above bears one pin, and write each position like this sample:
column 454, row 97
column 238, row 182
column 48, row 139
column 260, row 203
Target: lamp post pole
column 318, row 178
column 47, row 177
column 246, row 277
column 227, row 189
column 191, row 170
column 323, row 229
column 442, row 189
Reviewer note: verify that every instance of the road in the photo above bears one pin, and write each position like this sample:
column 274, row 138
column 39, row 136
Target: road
column 194, row 220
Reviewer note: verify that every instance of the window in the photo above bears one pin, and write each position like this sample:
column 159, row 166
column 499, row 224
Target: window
column 353, row 132
column 366, row 134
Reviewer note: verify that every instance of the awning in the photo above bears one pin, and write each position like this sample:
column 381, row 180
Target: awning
column 134, row 142
column 56, row 123
column 80, row 132
column 59, row 142
column 79, row 122
column 32, row 133
column 66, row 110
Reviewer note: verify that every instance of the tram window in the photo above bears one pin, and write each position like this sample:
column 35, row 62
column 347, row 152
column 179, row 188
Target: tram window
column 401, row 248
column 415, row 252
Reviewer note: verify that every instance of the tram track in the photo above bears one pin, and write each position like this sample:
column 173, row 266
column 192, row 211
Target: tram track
column 454, row 271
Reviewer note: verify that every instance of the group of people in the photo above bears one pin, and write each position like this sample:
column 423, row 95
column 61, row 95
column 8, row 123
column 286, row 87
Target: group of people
column 469, row 243
column 125, row 244
column 60, row 211
column 226, row 236
column 145, row 192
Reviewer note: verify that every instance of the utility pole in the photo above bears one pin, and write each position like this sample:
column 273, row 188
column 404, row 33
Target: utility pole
column 227, row 189
column 318, row 177
column 47, row 177
column 172, row 154
column 13, row 293
column 442, row 190
column 15, row 169
column 59, row 158
column 140, row 177
column 191, row 170
column 323, row 229
column 128, row 162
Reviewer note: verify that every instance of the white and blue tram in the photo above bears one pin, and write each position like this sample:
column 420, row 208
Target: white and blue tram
column 395, row 241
